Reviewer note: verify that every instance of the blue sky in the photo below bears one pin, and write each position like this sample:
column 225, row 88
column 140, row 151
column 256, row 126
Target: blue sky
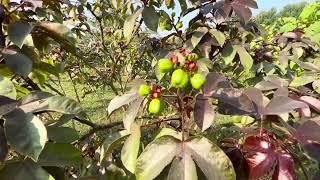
column 279, row 4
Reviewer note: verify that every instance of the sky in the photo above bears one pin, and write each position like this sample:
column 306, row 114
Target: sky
column 279, row 4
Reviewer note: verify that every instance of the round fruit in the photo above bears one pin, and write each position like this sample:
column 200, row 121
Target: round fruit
column 197, row 81
column 165, row 65
column 144, row 90
column 174, row 58
column 179, row 79
column 154, row 106
column 168, row 27
column 193, row 56
column 179, row 24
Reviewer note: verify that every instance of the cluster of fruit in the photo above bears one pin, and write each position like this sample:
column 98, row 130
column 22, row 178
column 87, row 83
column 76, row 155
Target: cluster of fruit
column 182, row 72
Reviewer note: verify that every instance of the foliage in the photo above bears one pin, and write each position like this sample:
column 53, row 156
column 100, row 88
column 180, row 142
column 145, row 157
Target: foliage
column 175, row 91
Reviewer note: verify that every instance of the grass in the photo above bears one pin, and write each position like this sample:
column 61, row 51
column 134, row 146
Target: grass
column 94, row 104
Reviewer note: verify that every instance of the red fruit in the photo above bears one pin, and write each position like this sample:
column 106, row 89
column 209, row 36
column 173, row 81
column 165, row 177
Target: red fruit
column 158, row 90
column 155, row 95
column 174, row 58
column 183, row 52
column 192, row 65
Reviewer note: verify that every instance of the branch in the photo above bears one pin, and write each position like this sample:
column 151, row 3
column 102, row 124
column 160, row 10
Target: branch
column 31, row 83
column 86, row 122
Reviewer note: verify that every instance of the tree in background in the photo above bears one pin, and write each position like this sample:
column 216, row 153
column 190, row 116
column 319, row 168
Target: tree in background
column 269, row 16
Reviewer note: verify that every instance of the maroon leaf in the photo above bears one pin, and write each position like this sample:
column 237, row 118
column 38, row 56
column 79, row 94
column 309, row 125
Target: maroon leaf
column 234, row 101
column 260, row 156
column 281, row 104
column 285, row 167
column 243, row 12
column 312, row 102
column 3, row 145
column 313, row 150
column 7, row 105
column 245, row 3
column 213, row 82
column 256, row 97
column 203, row 112
column 282, row 91
column 266, row 86
column 308, row 132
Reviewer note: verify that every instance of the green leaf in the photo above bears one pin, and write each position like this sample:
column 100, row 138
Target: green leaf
column 183, row 5
column 18, row 31
column 307, row 12
column 219, row 36
column 169, row 3
column 183, row 168
column 228, row 54
column 120, row 101
column 62, row 134
column 26, row 170
column 150, row 18
column 17, row 62
column 316, row 86
column 61, row 155
column 55, row 103
column 302, row 80
column 197, row 36
column 25, row 133
column 129, row 23
column 7, row 88
column 204, row 64
column 169, row 132
column 245, row 58
column 58, row 32
column 130, row 149
column 112, row 141
column 132, row 112
column 213, row 162
column 156, row 156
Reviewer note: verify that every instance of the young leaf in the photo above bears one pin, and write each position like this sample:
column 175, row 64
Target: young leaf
column 213, row 162
column 7, row 88
column 26, row 169
column 245, row 58
column 150, row 18
column 17, row 61
column 61, row 155
column 203, row 112
column 18, row 31
column 155, row 157
column 25, row 133
column 130, row 149
column 281, row 104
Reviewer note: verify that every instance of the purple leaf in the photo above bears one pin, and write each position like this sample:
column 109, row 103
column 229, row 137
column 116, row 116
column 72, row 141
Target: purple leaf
column 3, row 145
column 282, row 91
column 312, row 102
column 203, row 112
column 214, row 81
column 285, row 167
column 266, row 86
column 308, row 132
column 245, row 3
column 243, row 12
column 7, row 105
column 281, row 104
column 256, row 97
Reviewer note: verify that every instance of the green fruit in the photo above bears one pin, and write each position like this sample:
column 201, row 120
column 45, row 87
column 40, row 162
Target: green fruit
column 197, row 81
column 168, row 27
column 179, row 24
column 179, row 79
column 165, row 65
column 154, row 106
column 144, row 90
column 193, row 56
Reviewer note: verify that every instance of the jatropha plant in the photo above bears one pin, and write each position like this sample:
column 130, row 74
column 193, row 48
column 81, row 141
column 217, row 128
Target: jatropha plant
column 183, row 103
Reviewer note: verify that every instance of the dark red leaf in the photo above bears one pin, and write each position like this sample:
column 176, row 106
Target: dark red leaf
column 256, row 97
column 213, row 82
column 308, row 132
column 203, row 112
column 313, row 150
column 245, row 3
column 285, row 167
column 243, row 12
